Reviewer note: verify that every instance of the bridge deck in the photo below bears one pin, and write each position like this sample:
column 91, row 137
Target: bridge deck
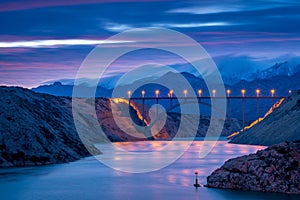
column 207, row 97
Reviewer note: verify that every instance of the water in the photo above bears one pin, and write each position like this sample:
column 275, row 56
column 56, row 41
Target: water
column 89, row 179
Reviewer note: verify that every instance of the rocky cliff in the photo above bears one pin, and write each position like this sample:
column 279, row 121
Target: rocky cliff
column 275, row 169
column 36, row 129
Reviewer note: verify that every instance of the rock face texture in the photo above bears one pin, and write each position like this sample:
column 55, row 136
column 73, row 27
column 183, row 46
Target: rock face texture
column 36, row 129
column 281, row 125
column 275, row 169
column 39, row 129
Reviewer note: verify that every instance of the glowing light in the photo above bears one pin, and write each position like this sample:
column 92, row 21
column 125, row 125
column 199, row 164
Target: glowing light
column 228, row 92
column 243, row 91
column 214, row 92
column 129, row 93
column 272, row 92
column 185, row 92
column 156, row 93
column 290, row 91
column 171, row 93
column 126, row 101
column 196, row 171
column 200, row 93
column 257, row 92
column 143, row 93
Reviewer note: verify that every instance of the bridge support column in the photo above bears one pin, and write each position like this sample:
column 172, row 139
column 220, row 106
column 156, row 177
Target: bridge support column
column 143, row 112
column 156, row 106
column 228, row 108
column 243, row 112
column 257, row 108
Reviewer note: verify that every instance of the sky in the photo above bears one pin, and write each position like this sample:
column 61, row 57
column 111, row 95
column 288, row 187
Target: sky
column 42, row 41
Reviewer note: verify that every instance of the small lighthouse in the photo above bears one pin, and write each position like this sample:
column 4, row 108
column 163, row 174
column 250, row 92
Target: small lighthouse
column 196, row 181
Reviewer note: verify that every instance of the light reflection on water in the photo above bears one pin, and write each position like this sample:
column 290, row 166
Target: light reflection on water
column 89, row 179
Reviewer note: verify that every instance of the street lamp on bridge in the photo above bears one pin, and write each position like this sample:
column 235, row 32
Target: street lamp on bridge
column 143, row 93
column 243, row 91
column 272, row 92
column 171, row 93
column 257, row 92
column 129, row 94
column 156, row 93
column 199, row 93
column 185, row 92
column 228, row 92
column 214, row 92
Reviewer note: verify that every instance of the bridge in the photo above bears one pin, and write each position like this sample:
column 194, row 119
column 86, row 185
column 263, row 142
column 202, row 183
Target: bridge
column 185, row 99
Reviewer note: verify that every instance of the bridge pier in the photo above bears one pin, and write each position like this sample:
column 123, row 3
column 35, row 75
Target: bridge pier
column 228, row 108
column 257, row 108
column 143, row 112
column 243, row 112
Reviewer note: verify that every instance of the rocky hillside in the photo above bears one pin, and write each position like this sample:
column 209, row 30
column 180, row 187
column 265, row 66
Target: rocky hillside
column 275, row 169
column 281, row 125
column 36, row 129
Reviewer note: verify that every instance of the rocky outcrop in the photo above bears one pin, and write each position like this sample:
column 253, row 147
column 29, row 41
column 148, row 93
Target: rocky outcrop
column 275, row 169
column 279, row 126
column 36, row 129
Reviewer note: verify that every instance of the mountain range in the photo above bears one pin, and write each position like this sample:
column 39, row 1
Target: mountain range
column 282, row 77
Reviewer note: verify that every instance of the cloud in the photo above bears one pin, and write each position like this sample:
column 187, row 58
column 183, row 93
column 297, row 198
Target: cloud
column 115, row 27
column 228, row 7
column 204, row 10
column 53, row 43
column 192, row 25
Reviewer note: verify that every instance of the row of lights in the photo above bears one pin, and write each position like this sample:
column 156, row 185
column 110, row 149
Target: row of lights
column 214, row 91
